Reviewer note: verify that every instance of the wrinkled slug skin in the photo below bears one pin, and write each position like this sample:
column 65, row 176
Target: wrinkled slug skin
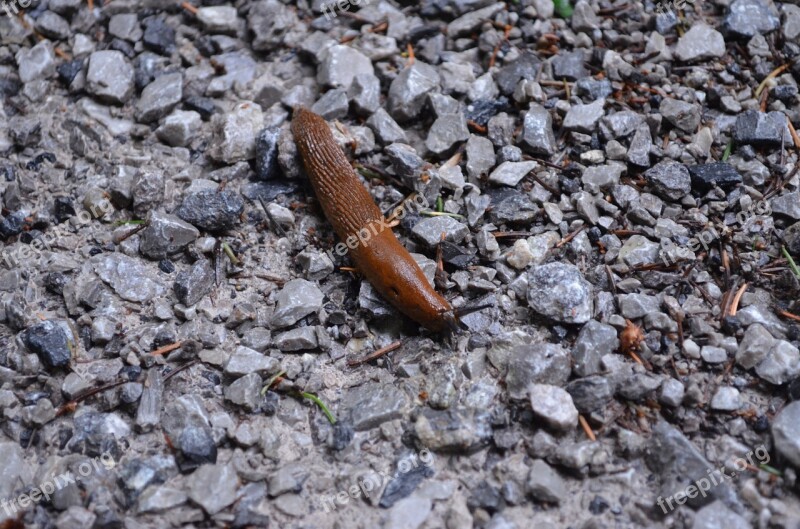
column 383, row 261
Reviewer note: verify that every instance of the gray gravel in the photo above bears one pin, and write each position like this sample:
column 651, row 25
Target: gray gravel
column 616, row 187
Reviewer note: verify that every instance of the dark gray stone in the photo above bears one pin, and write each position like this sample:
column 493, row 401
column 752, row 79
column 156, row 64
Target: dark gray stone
column 50, row 343
column 193, row 284
column 212, row 210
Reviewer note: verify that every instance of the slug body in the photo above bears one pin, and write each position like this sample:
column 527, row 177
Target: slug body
column 348, row 206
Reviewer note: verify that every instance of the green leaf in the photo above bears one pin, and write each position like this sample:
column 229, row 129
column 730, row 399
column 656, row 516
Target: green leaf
column 563, row 8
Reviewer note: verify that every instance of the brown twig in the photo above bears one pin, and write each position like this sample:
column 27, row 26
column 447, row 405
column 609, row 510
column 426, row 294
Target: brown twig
column 586, row 428
column 787, row 314
column 377, row 354
column 166, row 349
column 188, row 7
column 792, row 130
column 735, row 303
column 569, row 237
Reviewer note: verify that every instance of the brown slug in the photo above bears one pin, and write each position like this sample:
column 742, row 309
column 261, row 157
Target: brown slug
column 377, row 253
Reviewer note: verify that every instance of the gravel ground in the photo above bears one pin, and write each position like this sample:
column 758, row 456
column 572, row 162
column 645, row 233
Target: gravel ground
column 178, row 339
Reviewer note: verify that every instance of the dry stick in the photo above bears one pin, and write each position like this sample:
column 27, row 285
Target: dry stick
column 795, row 137
column 611, row 282
column 545, row 185
column 774, row 73
column 272, row 220
column 736, row 299
column 787, row 314
column 177, row 370
column 189, row 7
column 411, row 56
column 569, row 237
column 377, row 354
column 586, row 428
column 133, row 232
column 166, row 349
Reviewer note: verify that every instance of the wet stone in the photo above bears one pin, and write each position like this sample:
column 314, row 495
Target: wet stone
column 454, row 430
column 125, row 26
column 553, row 405
column 594, row 341
column 297, row 339
column 212, row 210
column 480, row 156
column 680, row 114
column 245, row 391
column 430, row 230
column 410, row 89
column 726, row 399
column 525, row 67
column 512, row 207
column 50, row 343
column 781, row 364
column 110, row 77
column 569, row 66
column 179, row 128
column 213, row 487
column 747, row 18
column 638, row 250
column 332, row 105
column 510, row 173
column 446, row 133
column 370, row 405
column 584, row 118
column 271, row 22
column 165, row 235
column 670, row 180
column 699, row 43
column 676, row 461
column 787, row 204
column 591, row 88
column 756, row 128
column 197, row 447
column 365, row 93
column 128, row 277
column 296, row 300
column 481, row 111
column 341, row 64
column 537, row 131
column 560, row 292
column 718, row 516
column 671, row 393
column 52, row 26
column 536, row 363
column 159, row 97
column 786, row 433
column 37, row 62
column 545, row 484
column 159, row 36
column 192, row 285
column 235, row 133
column 706, row 176
column 385, row 128
column 219, row 19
